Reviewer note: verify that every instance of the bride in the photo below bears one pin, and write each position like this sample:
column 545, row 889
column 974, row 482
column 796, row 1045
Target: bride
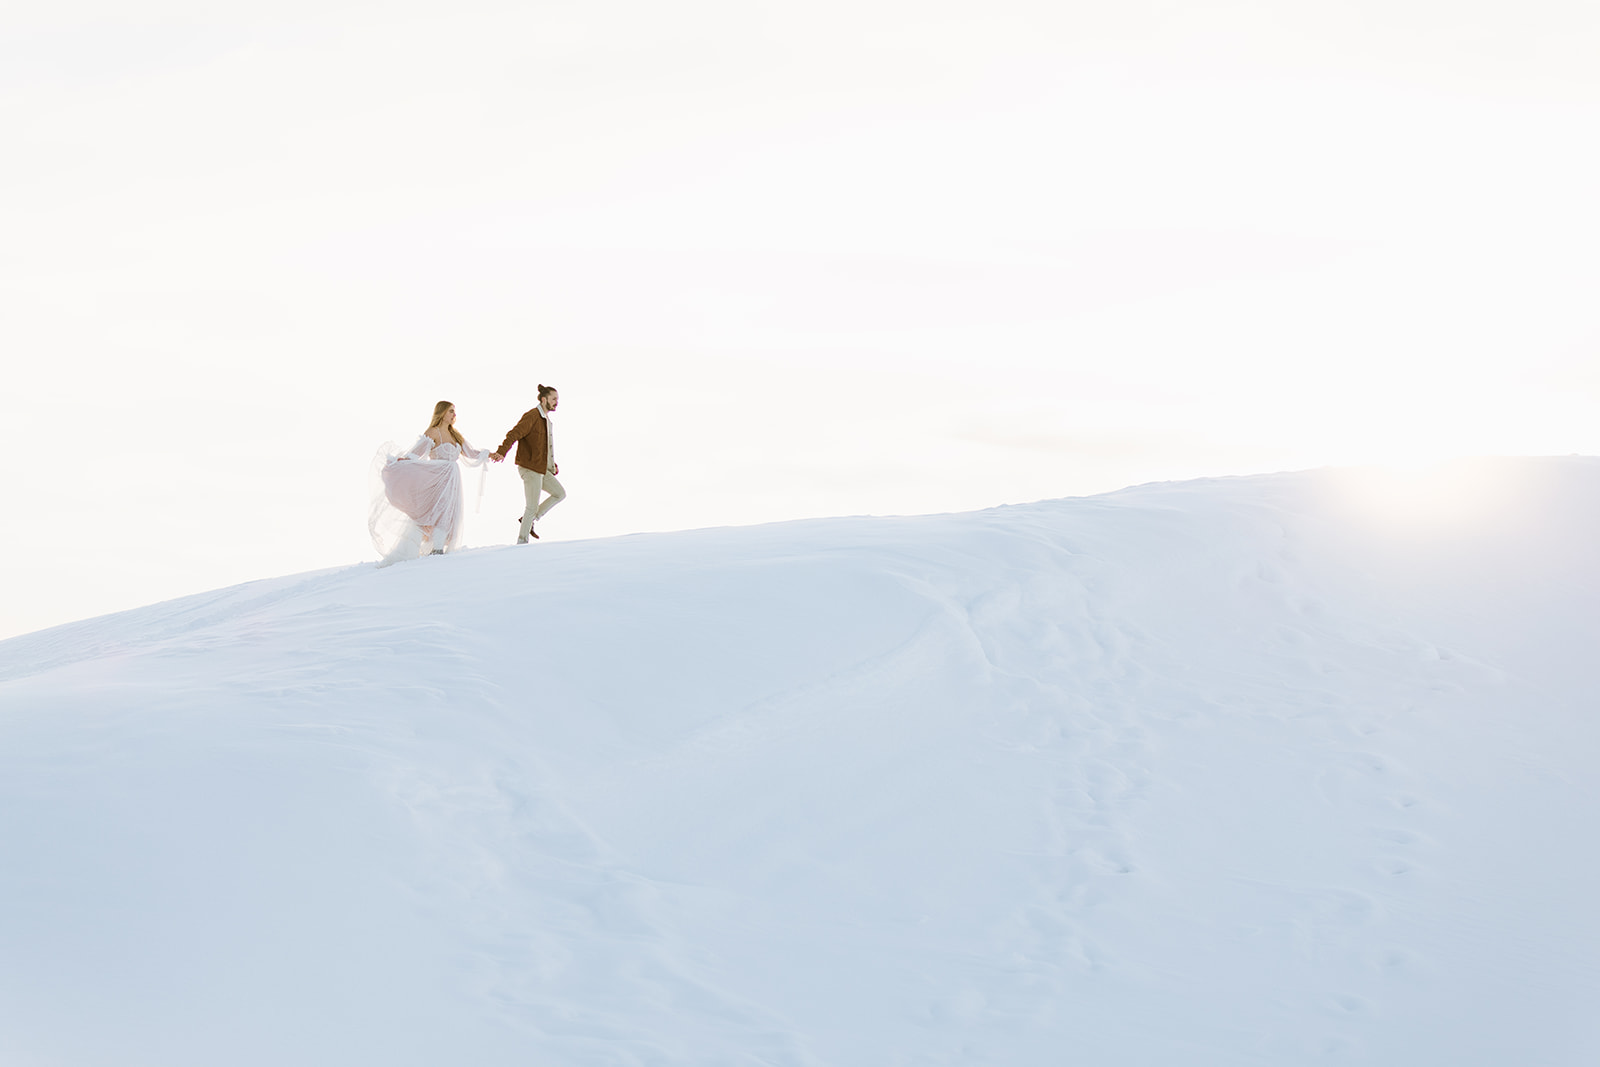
column 418, row 506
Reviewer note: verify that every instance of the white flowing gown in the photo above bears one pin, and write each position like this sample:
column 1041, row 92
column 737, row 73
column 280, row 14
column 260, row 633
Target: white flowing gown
column 416, row 502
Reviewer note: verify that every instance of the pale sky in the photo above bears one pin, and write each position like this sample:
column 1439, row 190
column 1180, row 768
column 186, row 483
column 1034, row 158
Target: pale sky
column 781, row 259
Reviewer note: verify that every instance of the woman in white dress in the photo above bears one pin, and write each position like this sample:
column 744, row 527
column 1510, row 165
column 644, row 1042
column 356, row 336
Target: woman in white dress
column 419, row 507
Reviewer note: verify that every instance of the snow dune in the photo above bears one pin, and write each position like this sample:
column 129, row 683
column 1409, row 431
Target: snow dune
column 1274, row 770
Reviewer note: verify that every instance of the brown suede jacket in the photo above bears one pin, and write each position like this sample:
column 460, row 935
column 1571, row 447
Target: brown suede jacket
column 532, row 435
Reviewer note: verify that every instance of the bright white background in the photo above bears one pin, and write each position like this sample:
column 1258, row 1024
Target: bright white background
column 782, row 259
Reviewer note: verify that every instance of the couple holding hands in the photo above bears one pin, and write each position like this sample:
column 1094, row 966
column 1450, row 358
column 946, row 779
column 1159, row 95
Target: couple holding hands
column 417, row 507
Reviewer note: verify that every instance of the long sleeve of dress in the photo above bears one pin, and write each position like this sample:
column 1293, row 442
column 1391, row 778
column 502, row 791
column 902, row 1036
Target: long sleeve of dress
column 419, row 450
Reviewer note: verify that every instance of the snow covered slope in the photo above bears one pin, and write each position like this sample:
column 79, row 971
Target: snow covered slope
column 1272, row 770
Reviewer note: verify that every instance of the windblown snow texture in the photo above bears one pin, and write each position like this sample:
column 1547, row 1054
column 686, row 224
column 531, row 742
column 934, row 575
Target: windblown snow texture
column 1243, row 771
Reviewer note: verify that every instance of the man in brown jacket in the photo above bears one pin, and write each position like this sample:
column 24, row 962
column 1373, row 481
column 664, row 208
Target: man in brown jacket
column 536, row 460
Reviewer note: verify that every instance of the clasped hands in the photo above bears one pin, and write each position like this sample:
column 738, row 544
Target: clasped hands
column 496, row 457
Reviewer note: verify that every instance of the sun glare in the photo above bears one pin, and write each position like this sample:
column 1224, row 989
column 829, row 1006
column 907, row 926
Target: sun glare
column 1423, row 493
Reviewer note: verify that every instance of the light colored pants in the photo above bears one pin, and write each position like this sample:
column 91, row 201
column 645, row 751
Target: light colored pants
column 532, row 483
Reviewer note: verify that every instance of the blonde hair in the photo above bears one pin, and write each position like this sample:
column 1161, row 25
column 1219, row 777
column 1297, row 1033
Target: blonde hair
column 438, row 416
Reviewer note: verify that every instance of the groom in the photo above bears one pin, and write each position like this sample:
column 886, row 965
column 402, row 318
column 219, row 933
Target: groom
column 536, row 460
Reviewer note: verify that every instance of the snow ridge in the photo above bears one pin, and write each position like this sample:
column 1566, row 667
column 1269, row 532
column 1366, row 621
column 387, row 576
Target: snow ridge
column 1258, row 770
